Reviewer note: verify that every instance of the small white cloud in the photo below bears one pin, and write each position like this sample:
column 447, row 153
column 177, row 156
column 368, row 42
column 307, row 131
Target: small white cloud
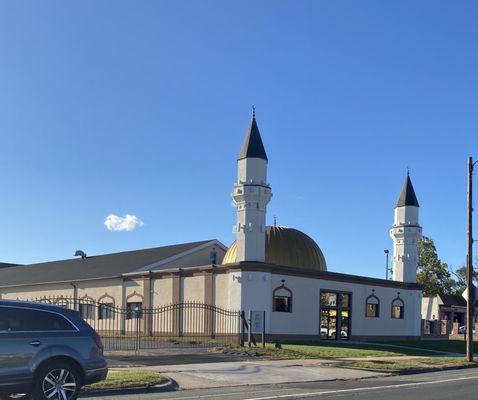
column 125, row 223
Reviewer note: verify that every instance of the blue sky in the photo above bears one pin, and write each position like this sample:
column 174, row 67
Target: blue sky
column 141, row 107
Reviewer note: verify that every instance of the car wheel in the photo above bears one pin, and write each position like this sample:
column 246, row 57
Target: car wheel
column 57, row 381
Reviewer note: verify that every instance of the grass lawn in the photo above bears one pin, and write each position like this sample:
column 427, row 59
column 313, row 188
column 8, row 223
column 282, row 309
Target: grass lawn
column 450, row 346
column 127, row 379
column 331, row 350
column 403, row 366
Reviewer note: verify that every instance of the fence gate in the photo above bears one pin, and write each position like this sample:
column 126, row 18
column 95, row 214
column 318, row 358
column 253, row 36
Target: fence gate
column 188, row 324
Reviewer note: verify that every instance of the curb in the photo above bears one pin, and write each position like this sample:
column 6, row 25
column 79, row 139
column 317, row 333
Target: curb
column 168, row 386
column 416, row 371
column 437, row 369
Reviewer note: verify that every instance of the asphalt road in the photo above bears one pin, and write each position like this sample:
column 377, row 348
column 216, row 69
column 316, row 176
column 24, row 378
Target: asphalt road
column 460, row 384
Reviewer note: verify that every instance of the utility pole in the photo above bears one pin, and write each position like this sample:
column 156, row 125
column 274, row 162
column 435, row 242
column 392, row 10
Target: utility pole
column 469, row 265
column 386, row 264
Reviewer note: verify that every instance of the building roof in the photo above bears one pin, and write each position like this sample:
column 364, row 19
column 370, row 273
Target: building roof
column 452, row 300
column 7, row 265
column 407, row 195
column 101, row 266
column 252, row 146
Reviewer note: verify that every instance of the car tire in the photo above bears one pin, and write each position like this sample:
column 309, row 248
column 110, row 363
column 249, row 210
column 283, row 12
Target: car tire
column 59, row 377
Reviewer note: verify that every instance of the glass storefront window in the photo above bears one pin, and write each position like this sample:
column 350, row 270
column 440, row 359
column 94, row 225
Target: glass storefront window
column 335, row 315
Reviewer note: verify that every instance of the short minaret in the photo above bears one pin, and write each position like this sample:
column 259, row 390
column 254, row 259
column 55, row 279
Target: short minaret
column 251, row 194
column 405, row 233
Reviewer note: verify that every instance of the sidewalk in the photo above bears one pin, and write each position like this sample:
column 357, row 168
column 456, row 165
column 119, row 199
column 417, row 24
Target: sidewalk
column 177, row 356
column 239, row 373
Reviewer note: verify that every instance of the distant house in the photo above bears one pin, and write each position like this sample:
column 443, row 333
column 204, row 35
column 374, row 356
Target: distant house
column 444, row 307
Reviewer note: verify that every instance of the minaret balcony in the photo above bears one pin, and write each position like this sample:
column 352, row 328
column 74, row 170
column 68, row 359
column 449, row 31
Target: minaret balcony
column 252, row 183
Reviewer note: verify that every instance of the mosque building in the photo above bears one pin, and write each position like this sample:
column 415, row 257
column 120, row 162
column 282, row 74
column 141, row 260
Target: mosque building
column 276, row 269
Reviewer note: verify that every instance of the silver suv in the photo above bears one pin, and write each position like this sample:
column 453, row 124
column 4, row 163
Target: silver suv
column 47, row 351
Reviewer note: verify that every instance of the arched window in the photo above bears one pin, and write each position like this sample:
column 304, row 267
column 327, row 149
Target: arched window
column 134, row 305
column 372, row 306
column 397, row 308
column 106, row 307
column 282, row 299
column 86, row 307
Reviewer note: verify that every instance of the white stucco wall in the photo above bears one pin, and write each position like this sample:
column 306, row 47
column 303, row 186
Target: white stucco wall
column 430, row 308
column 235, row 290
column 305, row 316
column 221, row 289
column 162, row 291
column 94, row 289
column 100, row 288
column 304, row 319
column 192, row 288
column 29, row 292
column 132, row 291
column 256, row 294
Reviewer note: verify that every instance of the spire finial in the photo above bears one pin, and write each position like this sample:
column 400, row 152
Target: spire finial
column 253, row 111
column 408, row 171
column 275, row 220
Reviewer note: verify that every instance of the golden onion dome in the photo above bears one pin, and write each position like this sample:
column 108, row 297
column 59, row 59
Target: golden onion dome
column 288, row 247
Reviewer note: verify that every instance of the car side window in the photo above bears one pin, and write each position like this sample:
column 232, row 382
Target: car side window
column 19, row 319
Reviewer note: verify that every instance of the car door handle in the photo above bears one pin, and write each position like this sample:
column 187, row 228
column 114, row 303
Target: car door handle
column 35, row 343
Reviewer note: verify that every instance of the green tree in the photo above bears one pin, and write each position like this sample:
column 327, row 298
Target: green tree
column 432, row 274
column 460, row 278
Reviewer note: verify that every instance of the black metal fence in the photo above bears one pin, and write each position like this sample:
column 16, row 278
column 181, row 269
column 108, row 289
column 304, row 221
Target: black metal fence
column 188, row 324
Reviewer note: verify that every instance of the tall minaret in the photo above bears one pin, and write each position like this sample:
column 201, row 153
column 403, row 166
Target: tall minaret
column 251, row 194
column 405, row 233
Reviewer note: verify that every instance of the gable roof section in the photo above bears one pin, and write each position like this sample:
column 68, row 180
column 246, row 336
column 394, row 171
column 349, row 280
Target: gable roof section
column 452, row 300
column 95, row 267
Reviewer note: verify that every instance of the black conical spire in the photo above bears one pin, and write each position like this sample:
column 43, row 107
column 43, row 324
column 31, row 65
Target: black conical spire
column 253, row 146
column 407, row 196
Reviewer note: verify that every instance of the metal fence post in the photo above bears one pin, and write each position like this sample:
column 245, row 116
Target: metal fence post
column 241, row 328
column 137, row 315
column 264, row 329
column 249, row 333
